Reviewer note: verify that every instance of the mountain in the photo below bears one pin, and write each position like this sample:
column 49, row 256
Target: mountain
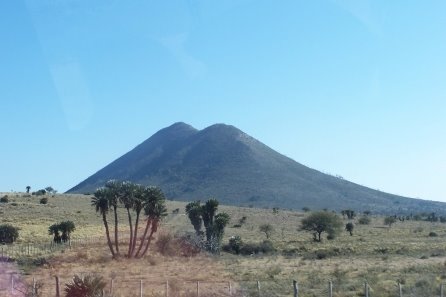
column 223, row 162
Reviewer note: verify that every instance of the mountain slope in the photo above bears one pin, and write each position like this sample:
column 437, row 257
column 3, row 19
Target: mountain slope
column 223, row 162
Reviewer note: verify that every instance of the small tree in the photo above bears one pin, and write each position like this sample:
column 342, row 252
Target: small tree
column 349, row 227
column 194, row 212
column 54, row 230
column 267, row 229
column 389, row 221
column 306, row 209
column 214, row 224
column 67, row 227
column 349, row 213
column 8, row 233
column 321, row 221
column 27, row 189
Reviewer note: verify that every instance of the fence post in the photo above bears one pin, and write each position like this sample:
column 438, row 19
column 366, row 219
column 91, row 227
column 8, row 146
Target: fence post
column 198, row 289
column 57, row 286
column 34, row 287
column 111, row 287
column 258, row 287
column 140, row 288
column 330, row 289
column 230, row 289
column 295, row 288
column 400, row 289
column 12, row 284
column 167, row 288
column 366, row 289
column 441, row 290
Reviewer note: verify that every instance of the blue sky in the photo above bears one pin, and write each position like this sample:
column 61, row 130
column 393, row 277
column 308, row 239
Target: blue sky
column 349, row 87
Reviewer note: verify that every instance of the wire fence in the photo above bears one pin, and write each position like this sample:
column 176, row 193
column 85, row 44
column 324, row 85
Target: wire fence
column 13, row 285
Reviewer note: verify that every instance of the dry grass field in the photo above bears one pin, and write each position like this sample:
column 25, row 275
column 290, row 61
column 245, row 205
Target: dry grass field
column 382, row 256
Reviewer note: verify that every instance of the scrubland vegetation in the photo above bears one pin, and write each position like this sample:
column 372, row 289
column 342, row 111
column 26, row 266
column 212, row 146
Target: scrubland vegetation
column 258, row 244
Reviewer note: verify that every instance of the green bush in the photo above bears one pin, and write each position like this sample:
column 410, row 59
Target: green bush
column 88, row 286
column 235, row 244
column 4, row 199
column 264, row 247
column 8, row 233
column 364, row 220
column 44, row 200
column 433, row 234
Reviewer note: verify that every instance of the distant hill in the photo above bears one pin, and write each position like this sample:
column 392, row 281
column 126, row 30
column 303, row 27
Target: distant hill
column 223, row 162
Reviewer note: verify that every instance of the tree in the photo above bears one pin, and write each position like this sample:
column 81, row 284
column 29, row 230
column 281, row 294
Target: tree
column 49, row 189
column 100, row 202
column 214, row 224
column 135, row 198
column 8, row 233
column 321, row 221
column 67, row 227
column 154, row 210
column 54, row 230
column 349, row 213
column 306, row 209
column 267, row 229
column 27, row 189
column 389, row 221
column 113, row 193
column 349, row 227
column 193, row 211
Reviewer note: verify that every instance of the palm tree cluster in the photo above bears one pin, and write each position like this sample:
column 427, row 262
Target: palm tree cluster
column 61, row 231
column 214, row 223
column 135, row 199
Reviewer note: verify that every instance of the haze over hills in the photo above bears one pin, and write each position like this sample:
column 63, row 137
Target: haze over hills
column 223, row 162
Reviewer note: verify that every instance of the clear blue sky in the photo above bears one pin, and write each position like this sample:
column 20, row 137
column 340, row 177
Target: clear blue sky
column 354, row 88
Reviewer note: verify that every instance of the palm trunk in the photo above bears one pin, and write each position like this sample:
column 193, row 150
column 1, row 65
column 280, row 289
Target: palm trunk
column 131, row 233
column 143, row 238
column 107, row 233
column 115, row 209
column 135, row 235
column 153, row 230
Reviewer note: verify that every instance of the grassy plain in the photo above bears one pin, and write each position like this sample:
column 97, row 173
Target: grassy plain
column 382, row 256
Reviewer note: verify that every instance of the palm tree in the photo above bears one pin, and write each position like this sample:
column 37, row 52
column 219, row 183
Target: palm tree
column 54, row 230
column 113, row 194
column 138, row 206
column 193, row 211
column 155, row 210
column 100, row 202
column 128, row 199
column 66, row 227
column 208, row 213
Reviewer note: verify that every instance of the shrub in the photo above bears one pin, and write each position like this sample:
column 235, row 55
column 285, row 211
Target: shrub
column 39, row 192
column 4, row 199
column 44, row 200
column 433, row 234
column 364, row 220
column 8, row 233
column 264, row 247
column 189, row 246
column 87, row 286
column 166, row 244
column 235, row 244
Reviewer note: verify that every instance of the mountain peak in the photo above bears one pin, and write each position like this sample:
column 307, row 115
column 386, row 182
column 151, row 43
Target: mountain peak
column 222, row 161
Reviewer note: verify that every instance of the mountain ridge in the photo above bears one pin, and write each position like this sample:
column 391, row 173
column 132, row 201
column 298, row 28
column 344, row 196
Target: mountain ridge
column 222, row 161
